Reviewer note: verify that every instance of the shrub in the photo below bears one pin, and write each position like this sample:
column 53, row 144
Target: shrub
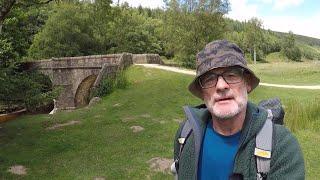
column 188, row 61
column 292, row 53
column 109, row 84
column 121, row 80
column 31, row 90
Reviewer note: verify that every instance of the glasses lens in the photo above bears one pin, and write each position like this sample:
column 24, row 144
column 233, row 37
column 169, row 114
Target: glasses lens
column 208, row 80
column 233, row 75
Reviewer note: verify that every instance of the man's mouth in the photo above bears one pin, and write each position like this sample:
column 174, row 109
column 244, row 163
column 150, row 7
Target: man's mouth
column 224, row 99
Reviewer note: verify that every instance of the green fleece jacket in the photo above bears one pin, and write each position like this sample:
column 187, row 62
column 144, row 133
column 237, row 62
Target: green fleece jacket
column 286, row 159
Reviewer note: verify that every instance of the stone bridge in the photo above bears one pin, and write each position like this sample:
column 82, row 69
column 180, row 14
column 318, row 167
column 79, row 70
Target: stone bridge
column 79, row 75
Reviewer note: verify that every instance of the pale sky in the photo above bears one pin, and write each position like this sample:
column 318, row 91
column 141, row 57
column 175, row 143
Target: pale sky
column 299, row 16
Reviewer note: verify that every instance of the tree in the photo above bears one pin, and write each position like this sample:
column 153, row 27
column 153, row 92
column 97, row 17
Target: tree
column 68, row 32
column 135, row 32
column 289, row 48
column 271, row 42
column 18, row 31
column 5, row 8
column 190, row 24
column 253, row 36
column 7, row 5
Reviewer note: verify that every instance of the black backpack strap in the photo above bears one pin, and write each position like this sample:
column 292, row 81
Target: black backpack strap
column 264, row 147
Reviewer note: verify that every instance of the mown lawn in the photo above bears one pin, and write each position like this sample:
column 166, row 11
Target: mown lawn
column 103, row 143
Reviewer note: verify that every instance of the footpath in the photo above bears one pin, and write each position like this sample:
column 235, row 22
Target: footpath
column 192, row 72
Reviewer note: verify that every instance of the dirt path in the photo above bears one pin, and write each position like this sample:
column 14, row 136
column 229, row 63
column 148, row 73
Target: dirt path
column 192, row 72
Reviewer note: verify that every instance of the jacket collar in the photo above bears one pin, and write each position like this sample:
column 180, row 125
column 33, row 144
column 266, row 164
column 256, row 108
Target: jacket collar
column 255, row 118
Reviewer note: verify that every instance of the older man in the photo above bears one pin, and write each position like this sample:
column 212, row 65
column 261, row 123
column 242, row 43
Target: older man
column 221, row 142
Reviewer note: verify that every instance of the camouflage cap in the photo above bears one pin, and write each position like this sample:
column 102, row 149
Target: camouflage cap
column 220, row 53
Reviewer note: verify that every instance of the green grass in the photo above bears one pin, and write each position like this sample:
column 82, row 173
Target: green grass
column 103, row 143
column 304, row 73
column 276, row 57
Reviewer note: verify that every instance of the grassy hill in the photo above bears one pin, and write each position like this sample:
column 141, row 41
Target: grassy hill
column 272, row 42
column 302, row 39
column 308, row 46
column 103, row 144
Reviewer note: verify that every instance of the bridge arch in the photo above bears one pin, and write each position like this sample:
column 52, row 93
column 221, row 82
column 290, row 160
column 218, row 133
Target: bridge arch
column 82, row 96
column 77, row 75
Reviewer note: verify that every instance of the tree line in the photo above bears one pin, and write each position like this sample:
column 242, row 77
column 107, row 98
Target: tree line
column 35, row 29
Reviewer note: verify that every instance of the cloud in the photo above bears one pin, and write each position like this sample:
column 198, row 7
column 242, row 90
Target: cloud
column 241, row 10
column 244, row 10
column 298, row 25
column 282, row 4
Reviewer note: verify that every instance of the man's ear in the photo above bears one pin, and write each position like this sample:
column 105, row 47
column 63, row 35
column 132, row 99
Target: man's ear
column 249, row 88
column 247, row 80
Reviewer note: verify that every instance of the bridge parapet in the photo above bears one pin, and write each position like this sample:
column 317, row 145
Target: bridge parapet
column 80, row 62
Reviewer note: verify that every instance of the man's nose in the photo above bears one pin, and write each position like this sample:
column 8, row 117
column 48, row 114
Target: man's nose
column 222, row 84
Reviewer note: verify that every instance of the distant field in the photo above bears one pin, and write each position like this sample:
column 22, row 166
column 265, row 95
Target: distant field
column 304, row 73
column 104, row 145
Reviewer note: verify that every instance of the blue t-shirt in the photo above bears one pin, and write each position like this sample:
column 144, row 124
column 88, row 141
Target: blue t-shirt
column 217, row 154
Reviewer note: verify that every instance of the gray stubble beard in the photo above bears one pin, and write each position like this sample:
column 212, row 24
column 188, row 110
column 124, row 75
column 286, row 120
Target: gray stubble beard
column 241, row 106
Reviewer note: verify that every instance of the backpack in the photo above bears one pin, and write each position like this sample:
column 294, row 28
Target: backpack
column 263, row 147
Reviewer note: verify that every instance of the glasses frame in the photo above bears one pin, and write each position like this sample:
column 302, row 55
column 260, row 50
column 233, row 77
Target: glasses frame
column 221, row 74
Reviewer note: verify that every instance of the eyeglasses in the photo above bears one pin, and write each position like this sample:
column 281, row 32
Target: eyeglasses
column 231, row 76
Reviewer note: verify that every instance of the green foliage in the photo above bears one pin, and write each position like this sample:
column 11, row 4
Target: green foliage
column 289, row 49
column 189, row 28
column 134, row 32
column 271, row 42
column 84, row 29
column 249, row 35
column 7, row 53
column 106, row 87
column 289, row 40
column 187, row 61
column 309, row 52
column 254, row 38
column 39, row 101
column 301, row 39
column 27, row 89
column 66, row 33
column 260, row 55
column 121, row 81
column 18, row 30
column 110, row 84
column 292, row 53
column 275, row 57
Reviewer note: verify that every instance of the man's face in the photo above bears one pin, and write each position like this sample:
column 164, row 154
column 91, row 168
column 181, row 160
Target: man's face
column 225, row 100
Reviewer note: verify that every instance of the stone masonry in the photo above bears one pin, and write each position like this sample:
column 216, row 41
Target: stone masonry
column 77, row 76
column 146, row 59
